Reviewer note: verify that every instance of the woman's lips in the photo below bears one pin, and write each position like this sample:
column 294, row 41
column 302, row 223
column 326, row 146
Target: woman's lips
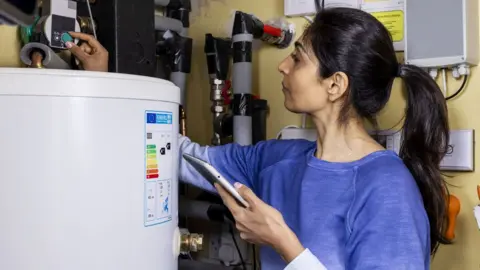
column 284, row 88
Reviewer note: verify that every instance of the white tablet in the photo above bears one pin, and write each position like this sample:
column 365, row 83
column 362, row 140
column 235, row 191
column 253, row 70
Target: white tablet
column 213, row 176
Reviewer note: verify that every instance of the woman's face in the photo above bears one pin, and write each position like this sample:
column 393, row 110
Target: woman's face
column 304, row 91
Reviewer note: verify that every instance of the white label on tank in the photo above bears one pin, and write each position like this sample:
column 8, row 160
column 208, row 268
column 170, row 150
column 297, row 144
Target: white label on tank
column 158, row 167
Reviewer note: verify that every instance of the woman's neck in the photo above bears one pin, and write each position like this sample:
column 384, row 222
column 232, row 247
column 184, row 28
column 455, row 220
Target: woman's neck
column 343, row 142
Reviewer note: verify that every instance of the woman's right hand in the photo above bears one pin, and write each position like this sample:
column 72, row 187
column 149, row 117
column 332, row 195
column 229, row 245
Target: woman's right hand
column 91, row 54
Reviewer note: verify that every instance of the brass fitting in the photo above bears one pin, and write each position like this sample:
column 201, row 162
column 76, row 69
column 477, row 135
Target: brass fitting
column 37, row 59
column 190, row 242
column 86, row 24
column 183, row 122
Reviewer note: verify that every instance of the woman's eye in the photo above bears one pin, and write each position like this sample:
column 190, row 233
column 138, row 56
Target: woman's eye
column 294, row 57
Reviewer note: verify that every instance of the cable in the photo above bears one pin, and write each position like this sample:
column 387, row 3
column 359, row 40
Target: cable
column 254, row 257
column 304, row 120
column 238, row 248
column 459, row 89
column 319, row 5
column 91, row 18
column 394, row 126
column 310, row 20
column 444, row 78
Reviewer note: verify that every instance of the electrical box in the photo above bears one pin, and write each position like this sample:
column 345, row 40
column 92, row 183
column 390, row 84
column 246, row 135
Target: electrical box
column 441, row 33
column 300, row 7
column 459, row 157
column 309, row 7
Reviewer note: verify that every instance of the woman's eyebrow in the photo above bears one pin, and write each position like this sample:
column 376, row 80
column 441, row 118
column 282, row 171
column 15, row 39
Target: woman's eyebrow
column 299, row 46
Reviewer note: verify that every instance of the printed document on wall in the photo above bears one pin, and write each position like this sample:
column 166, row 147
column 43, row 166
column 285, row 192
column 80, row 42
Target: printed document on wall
column 391, row 14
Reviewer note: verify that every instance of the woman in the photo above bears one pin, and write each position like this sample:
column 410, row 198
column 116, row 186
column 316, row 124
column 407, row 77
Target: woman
column 342, row 202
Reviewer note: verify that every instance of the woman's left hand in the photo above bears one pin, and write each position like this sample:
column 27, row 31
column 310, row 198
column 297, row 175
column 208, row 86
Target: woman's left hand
column 261, row 224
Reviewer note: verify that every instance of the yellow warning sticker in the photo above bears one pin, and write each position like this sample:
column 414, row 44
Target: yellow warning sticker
column 393, row 21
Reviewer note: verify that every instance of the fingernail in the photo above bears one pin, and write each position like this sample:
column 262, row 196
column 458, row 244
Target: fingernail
column 69, row 44
column 237, row 185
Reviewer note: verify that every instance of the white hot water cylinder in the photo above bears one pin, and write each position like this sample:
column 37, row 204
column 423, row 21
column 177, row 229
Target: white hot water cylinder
column 88, row 171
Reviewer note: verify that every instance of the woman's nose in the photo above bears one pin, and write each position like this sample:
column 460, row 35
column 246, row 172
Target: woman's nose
column 283, row 67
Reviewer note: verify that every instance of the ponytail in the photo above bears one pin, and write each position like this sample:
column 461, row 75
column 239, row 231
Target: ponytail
column 425, row 142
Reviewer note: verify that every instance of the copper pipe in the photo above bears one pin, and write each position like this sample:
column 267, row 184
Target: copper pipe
column 183, row 122
column 37, row 59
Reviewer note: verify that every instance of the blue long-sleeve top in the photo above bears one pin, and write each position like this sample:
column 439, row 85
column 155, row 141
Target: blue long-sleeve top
column 362, row 215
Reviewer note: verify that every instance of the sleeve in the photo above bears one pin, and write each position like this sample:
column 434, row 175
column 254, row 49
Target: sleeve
column 235, row 162
column 306, row 260
column 187, row 173
column 388, row 224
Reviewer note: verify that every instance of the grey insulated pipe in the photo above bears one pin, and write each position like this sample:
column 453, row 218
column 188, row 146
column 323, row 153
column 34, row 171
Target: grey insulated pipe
column 164, row 24
column 242, row 38
column 177, row 20
column 180, row 10
column 181, row 49
column 50, row 58
column 162, row 3
column 177, row 9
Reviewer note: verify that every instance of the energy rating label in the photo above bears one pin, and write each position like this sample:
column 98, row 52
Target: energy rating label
column 158, row 167
column 152, row 164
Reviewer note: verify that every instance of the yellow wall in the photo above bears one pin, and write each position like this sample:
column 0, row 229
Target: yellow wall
column 462, row 255
column 9, row 47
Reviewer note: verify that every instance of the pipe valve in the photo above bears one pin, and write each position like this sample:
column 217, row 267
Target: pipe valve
column 190, row 242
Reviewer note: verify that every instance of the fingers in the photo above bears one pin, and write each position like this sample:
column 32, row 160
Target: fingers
column 93, row 42
column 77, row 51
column 228, row 200
column 86, row 48
column 247, row 194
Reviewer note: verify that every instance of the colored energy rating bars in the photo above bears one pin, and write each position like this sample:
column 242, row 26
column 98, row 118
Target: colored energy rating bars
column 152, row 166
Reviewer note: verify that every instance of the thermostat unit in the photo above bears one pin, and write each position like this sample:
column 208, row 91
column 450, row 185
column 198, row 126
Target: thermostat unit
column 441, row 33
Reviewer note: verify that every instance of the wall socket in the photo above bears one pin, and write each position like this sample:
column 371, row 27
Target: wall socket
column 460, row 152
column 460, row 155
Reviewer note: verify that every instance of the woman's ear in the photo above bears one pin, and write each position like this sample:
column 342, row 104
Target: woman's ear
column 338, row 85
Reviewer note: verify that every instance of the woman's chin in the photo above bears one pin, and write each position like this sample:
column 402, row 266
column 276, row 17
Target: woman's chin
column 291, row 107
